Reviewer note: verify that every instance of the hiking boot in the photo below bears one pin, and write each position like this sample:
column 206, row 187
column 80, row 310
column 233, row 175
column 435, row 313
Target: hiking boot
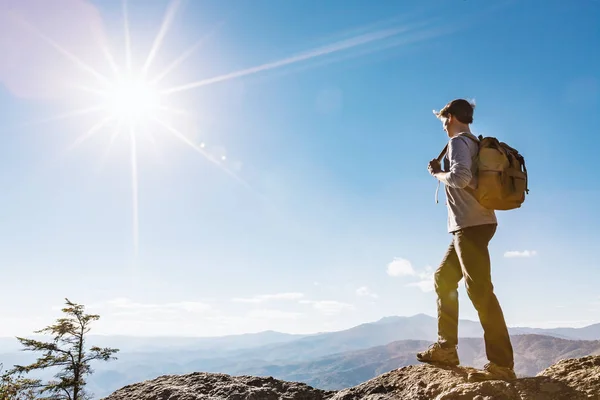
column 437, row 354
column 492, row 371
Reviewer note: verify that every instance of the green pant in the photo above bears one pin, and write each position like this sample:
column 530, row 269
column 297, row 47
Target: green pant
column 468, row 257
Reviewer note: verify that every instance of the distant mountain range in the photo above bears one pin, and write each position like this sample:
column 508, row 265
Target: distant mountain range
column 331, row 360
column 533, row 353
column 590, row 332
column 383, row 331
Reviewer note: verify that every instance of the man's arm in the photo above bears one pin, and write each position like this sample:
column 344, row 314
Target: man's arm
column 459, row 174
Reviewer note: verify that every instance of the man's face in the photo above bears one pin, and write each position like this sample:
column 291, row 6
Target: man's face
column 445, row 123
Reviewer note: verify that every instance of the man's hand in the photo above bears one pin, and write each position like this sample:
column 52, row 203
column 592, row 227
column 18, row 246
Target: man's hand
column 434, row 167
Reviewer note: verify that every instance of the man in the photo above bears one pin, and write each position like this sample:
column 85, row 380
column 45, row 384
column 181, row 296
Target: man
column 472, row 227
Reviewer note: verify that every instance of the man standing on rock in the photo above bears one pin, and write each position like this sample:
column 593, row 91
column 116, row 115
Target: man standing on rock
column 472, row 227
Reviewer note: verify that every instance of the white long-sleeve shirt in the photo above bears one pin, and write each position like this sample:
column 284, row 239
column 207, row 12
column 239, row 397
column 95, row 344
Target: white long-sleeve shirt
column 463, row 208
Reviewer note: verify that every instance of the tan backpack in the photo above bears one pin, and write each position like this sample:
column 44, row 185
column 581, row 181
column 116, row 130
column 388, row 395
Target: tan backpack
column 501, row 173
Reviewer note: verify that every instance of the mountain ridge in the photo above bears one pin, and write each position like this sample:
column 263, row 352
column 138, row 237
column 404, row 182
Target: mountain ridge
column 269, row 351
column 467, row 328
column 533, row 353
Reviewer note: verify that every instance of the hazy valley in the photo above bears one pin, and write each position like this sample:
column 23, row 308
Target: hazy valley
column 332, row 360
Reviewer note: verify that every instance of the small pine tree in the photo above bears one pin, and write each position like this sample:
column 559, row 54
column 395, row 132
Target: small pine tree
column 67, row 352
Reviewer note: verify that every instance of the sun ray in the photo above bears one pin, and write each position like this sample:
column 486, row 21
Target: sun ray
column 67, row 115
column 155, row 148
column 177, row 134
column 99, row 125
column 164, row 28
column 115, row 134
column 76, row 60
column 128, row 60
column 184, row 56
column 113, row 137
column 111, row 60
column 134, row 189
column 322, row 51
column 176, row 62
column 400, row 40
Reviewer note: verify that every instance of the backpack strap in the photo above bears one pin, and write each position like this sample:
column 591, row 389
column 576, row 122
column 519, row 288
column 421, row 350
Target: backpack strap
column 439, row 159
column 441, row 156
column 445, row 149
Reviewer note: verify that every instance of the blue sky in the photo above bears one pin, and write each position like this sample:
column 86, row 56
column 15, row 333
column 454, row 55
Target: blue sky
column 317, row 212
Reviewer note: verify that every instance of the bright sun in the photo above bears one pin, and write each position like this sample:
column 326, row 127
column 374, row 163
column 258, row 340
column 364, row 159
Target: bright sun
column 133, row 100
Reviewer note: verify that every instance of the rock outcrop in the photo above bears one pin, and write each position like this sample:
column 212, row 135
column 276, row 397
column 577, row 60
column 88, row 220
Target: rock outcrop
column 211, row 386
column 424, row 382
column 581, row 374
column 573, row 379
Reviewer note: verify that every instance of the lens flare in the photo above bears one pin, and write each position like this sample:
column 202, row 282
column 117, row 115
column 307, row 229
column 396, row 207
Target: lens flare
column 136, row 101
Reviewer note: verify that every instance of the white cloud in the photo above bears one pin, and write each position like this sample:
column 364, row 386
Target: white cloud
column 426, row 283
column 525, row 253
column 268, row 297
column 427, row 273
column 124, row 303
column 272, row 314
column 366, row 292
column 201, row 317
column 328, row 307
column 122, row 309
column 400, row 267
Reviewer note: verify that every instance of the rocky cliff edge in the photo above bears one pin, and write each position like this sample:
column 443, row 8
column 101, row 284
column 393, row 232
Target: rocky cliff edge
column 572, row 379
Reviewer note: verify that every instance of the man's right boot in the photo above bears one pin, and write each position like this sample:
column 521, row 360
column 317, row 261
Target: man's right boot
column 437, row 354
